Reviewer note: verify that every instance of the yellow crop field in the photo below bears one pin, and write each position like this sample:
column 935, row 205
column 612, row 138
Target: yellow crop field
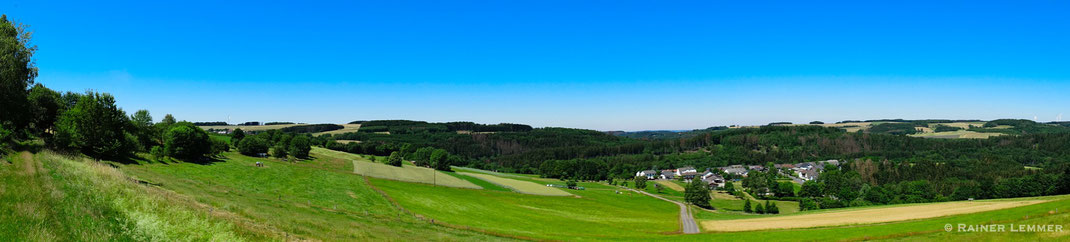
column 864, row 216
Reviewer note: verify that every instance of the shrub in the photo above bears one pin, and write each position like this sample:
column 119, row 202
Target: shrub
column 279, row 151
column 186, row 141
column 299, row 146
column 394, row 159
column 253, row 146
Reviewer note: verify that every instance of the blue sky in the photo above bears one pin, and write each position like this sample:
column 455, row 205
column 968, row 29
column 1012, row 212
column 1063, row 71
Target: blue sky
column 605, row 65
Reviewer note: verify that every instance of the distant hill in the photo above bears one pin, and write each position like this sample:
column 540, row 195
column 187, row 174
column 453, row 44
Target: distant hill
column 664, row 134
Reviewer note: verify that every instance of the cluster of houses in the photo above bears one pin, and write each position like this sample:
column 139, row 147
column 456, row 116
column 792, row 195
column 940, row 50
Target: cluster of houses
column 687, row 173
column 804, row 171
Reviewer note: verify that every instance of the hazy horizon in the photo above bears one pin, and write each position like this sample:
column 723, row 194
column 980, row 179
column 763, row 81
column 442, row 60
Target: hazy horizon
column 595, row 65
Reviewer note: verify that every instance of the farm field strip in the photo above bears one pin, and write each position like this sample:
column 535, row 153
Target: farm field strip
column 525, row 187
column 249, row 127
column 863, row 216
column 670, row 185
column 406, row 173
column 346, row 128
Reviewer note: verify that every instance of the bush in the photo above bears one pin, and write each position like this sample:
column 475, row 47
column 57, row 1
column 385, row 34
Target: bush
column 95, row 126
column 158, row 152
column 219, row 146
column 746, row 206
column 253, row 146
column 300, row 147
column 697, row 193
column 186, row 141
column 807, row 204
column 279, row 151
column 394, row 159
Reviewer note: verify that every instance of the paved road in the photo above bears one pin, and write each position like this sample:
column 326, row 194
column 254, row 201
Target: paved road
column 686, row 220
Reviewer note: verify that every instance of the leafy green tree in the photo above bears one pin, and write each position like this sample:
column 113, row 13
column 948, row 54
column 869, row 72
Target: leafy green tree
column 300, row 146
column 807, row 204
column 95, row 126
column 439, row 159
column 237, row 135
column 219, row 146
column 785, row 189
column 46, row 105
column 746, row 206
column 17, row 72
column 697, row 193
column 394, row 159
column 759, row 209
column 422, row 156
column 158, row 152
column 253, row 146
column 143, row 128
column 279, row 151
column 658, row 187
column 187, row 142
column 571, row 183
column 770, row 207
column 640, row 182
column 811, row 189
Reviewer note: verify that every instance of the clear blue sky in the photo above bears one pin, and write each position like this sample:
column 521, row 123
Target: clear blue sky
column 605, row 65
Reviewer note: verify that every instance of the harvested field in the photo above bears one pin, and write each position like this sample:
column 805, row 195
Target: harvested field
column 249, row 127
column 346, row 128
column 863, row 216
column 405, row 173
column 525, row 187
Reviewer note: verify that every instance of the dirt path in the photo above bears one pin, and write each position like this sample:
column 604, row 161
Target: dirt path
column 863, row 216
column 686, row 220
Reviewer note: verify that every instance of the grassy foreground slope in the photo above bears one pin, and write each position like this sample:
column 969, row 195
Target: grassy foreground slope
column 319, row 199
column 48, row 197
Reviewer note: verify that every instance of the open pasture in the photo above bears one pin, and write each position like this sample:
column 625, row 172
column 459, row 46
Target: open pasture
column 594, row 214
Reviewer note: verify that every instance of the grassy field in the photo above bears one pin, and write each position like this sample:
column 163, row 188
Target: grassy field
column 48, row 197
column 406, row 172
column 599, row 212
column 730, row 207
column 525, row 187
column 480, row 182
column 319, row 199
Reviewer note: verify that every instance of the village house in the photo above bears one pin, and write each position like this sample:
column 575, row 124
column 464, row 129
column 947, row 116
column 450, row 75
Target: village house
column 712, row 180
column 687, row 172
column 649, row 174
column 668, row 174
column 735, row 170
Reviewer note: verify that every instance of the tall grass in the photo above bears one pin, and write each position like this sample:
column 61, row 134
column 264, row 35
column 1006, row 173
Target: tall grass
column 49, row 197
